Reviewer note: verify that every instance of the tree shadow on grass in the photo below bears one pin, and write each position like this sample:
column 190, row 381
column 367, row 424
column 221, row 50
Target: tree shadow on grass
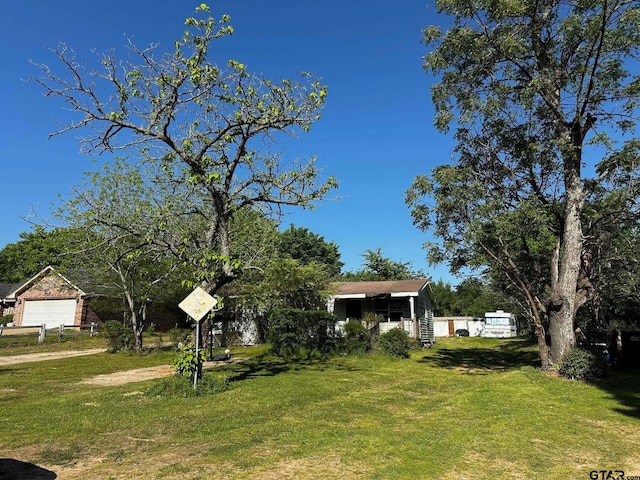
column 270, row 366
column 511, row 355
column 11, row 469
column 624, row 387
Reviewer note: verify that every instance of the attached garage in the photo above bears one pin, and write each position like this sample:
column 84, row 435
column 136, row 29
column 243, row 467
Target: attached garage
column 50, row 299
column 51, row 313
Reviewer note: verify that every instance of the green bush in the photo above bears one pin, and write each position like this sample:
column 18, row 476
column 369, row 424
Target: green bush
column 180, row 386
column 187, row 363
column 292, row 331
column 357, row 339
column 395, row 343
column 6, row 319
column 119, row 336
column 580, row 364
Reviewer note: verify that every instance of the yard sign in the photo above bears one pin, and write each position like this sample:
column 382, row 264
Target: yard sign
column 197, row 304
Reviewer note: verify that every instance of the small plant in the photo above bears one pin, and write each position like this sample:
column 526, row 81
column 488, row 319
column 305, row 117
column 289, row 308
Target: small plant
column 6, row 319
column 187, row 363
column 580, row 364
column 371, row 321
column 395, row 343
column 357, row 339
column 119, row 336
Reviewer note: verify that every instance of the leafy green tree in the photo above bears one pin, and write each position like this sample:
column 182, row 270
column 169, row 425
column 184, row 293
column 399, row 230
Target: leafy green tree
column 285, row 283
column 36, row 250
column 203, row 125
column 376, row 266
column 444, row 298
column 612, row 241
column 472, row 297
column 528, row 85
column 301, row 244
column 113, row 207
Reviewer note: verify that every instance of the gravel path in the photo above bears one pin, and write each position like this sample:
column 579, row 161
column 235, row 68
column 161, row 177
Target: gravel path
column 37, row 357
column 142, row 374
column 116, row 378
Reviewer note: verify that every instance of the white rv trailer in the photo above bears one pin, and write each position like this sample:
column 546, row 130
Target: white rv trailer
column 499, row 324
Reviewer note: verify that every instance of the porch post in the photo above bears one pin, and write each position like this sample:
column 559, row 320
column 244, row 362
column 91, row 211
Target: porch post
column 412, row 309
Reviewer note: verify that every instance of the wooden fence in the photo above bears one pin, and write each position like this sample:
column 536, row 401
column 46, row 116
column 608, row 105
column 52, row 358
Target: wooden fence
column 41, row 330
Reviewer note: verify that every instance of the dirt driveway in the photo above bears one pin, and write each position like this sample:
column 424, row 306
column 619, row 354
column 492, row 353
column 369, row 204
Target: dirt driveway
column 111, row 379
column 37, row 357
column 142, row 374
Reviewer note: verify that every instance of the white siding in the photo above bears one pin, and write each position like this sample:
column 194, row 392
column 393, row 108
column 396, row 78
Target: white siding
column 441, row 329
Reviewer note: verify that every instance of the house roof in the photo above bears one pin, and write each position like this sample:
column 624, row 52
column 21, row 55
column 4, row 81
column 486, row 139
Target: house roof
column 381, row 287
column 8, row 288
column 21, row 287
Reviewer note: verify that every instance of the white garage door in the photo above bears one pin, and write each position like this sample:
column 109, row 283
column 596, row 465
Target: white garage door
column 50, row 312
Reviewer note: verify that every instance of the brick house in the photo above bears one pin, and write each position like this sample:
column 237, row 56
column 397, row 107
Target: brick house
column 47, row 298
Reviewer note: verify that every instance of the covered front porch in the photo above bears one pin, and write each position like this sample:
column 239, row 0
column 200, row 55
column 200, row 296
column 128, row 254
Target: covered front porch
column 405, row 304
column 393, row 312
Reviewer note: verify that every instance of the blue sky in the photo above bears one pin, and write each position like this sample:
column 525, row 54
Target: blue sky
column 375, row 135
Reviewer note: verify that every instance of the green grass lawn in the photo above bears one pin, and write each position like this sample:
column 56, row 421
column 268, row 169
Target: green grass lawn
column 468, row 408
column 17, row 344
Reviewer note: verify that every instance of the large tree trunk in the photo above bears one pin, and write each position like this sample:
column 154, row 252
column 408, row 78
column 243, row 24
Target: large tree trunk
column 564, row 286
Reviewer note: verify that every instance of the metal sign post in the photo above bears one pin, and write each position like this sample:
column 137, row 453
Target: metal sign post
column 197, row 304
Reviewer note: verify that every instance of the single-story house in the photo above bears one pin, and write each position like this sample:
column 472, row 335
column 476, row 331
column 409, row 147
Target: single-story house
column 47, row 298
column 406, row 304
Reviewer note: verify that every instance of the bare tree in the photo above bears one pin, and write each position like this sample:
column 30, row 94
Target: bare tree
column 203, row 125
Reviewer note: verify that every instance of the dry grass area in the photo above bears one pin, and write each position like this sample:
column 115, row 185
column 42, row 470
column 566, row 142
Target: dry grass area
column 143, row 374
column 173, row 466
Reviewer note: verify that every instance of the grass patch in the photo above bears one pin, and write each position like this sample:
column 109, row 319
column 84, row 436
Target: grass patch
column 471, row 408
column 22, row 344
column 182, row 386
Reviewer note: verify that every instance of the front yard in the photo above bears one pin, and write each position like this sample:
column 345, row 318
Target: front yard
column 468, row 408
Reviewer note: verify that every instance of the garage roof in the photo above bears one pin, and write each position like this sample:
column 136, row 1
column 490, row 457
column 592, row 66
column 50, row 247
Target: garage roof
column 24, row 286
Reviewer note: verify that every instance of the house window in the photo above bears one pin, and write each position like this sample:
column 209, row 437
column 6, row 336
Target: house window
column 390, row 309
column 354, row 309
column 396, row 308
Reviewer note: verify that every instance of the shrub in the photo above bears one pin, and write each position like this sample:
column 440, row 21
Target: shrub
column 293, row 331
column 395, row 343
column 357, row 339
column 187, row 363
column 180, row 386
column 580, row 364
column 6, row 319
column 119, row 336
